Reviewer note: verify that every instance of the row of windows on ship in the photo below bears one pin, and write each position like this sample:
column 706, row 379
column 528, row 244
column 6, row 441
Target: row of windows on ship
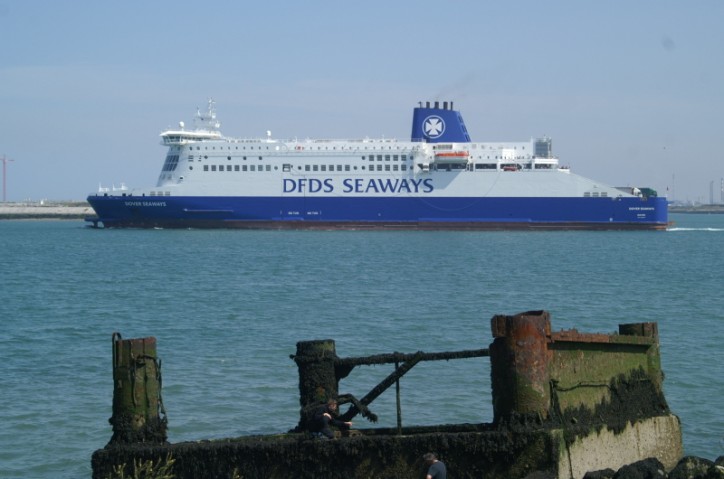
column 370, row 157
column 305, row 147
column 376, row 167
column 287, row 167
column 403, row 167
column 172, row 162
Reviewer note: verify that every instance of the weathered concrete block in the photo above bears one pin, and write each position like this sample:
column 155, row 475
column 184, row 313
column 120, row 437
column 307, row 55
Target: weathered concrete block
column 658, row 437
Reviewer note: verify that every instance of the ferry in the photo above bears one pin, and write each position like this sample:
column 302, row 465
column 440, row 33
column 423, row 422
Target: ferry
column 437, row 180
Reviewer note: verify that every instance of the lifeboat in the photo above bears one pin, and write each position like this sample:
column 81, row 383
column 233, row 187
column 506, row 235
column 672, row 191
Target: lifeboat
column 452, row 156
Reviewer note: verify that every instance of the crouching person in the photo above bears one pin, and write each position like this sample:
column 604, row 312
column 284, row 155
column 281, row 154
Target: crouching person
column 323, row 417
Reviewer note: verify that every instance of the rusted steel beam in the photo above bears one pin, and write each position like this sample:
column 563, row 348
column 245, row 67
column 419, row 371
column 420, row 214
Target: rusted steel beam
column 320, row 370
column 627, row 338
column 398, row 405
column 421, row 356
column 381, row 387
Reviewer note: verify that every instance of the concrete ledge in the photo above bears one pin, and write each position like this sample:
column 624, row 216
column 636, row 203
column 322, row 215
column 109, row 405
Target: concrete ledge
column 470, row 451
column 658, row 437
column 481, row 454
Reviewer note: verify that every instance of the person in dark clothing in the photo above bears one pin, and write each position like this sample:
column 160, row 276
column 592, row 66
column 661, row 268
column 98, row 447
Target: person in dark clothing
column 324, row 416
column 435, row 468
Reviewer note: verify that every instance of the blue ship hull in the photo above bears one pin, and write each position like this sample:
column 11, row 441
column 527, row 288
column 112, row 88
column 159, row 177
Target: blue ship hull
column 370, row 212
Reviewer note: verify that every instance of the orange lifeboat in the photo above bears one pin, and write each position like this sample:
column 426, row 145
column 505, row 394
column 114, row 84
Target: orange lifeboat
column 453, row 155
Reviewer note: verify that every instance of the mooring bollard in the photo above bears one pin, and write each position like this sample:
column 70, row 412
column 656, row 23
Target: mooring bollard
column 519, row 365
column 138, row 412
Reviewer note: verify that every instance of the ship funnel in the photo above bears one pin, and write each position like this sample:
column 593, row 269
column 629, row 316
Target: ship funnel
column 435, row 124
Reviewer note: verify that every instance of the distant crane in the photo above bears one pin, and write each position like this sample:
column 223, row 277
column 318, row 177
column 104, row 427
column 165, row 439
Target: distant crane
column 5, row 160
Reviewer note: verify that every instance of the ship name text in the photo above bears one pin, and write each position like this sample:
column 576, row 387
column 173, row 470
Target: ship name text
column 358, row 185
column 145, row 203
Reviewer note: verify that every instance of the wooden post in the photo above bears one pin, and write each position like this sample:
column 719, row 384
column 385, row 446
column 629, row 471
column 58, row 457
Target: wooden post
column 138, row 413
column 317, row 376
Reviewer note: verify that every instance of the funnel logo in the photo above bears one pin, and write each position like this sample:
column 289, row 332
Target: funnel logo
column 433, row 126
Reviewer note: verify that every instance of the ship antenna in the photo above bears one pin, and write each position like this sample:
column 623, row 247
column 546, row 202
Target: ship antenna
column 207, row 121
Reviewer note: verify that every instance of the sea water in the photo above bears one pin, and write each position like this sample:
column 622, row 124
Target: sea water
column 228, row 307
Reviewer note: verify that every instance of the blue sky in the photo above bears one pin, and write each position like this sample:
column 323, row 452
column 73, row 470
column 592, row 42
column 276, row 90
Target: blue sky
column 632, row 93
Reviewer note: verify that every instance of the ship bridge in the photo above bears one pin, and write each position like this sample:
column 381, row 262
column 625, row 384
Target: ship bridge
column 206, row 127
column 182, row 137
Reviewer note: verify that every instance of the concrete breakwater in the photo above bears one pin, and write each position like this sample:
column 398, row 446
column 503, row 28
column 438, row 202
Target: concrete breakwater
column 697, row 209
column 564, row 403
column 46, row 210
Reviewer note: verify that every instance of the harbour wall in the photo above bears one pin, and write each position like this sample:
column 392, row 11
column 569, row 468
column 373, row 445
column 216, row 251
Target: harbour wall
column 564, row 403
column 46, row 210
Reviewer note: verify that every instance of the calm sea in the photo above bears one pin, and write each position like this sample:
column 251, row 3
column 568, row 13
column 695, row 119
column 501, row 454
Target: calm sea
column 227, row 308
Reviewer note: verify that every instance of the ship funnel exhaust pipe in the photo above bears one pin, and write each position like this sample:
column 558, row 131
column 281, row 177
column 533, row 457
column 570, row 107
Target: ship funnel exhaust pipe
column 437, row 122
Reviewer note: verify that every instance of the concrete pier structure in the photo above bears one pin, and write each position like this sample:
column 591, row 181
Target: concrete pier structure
column 564, row 403
column 70, row 210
